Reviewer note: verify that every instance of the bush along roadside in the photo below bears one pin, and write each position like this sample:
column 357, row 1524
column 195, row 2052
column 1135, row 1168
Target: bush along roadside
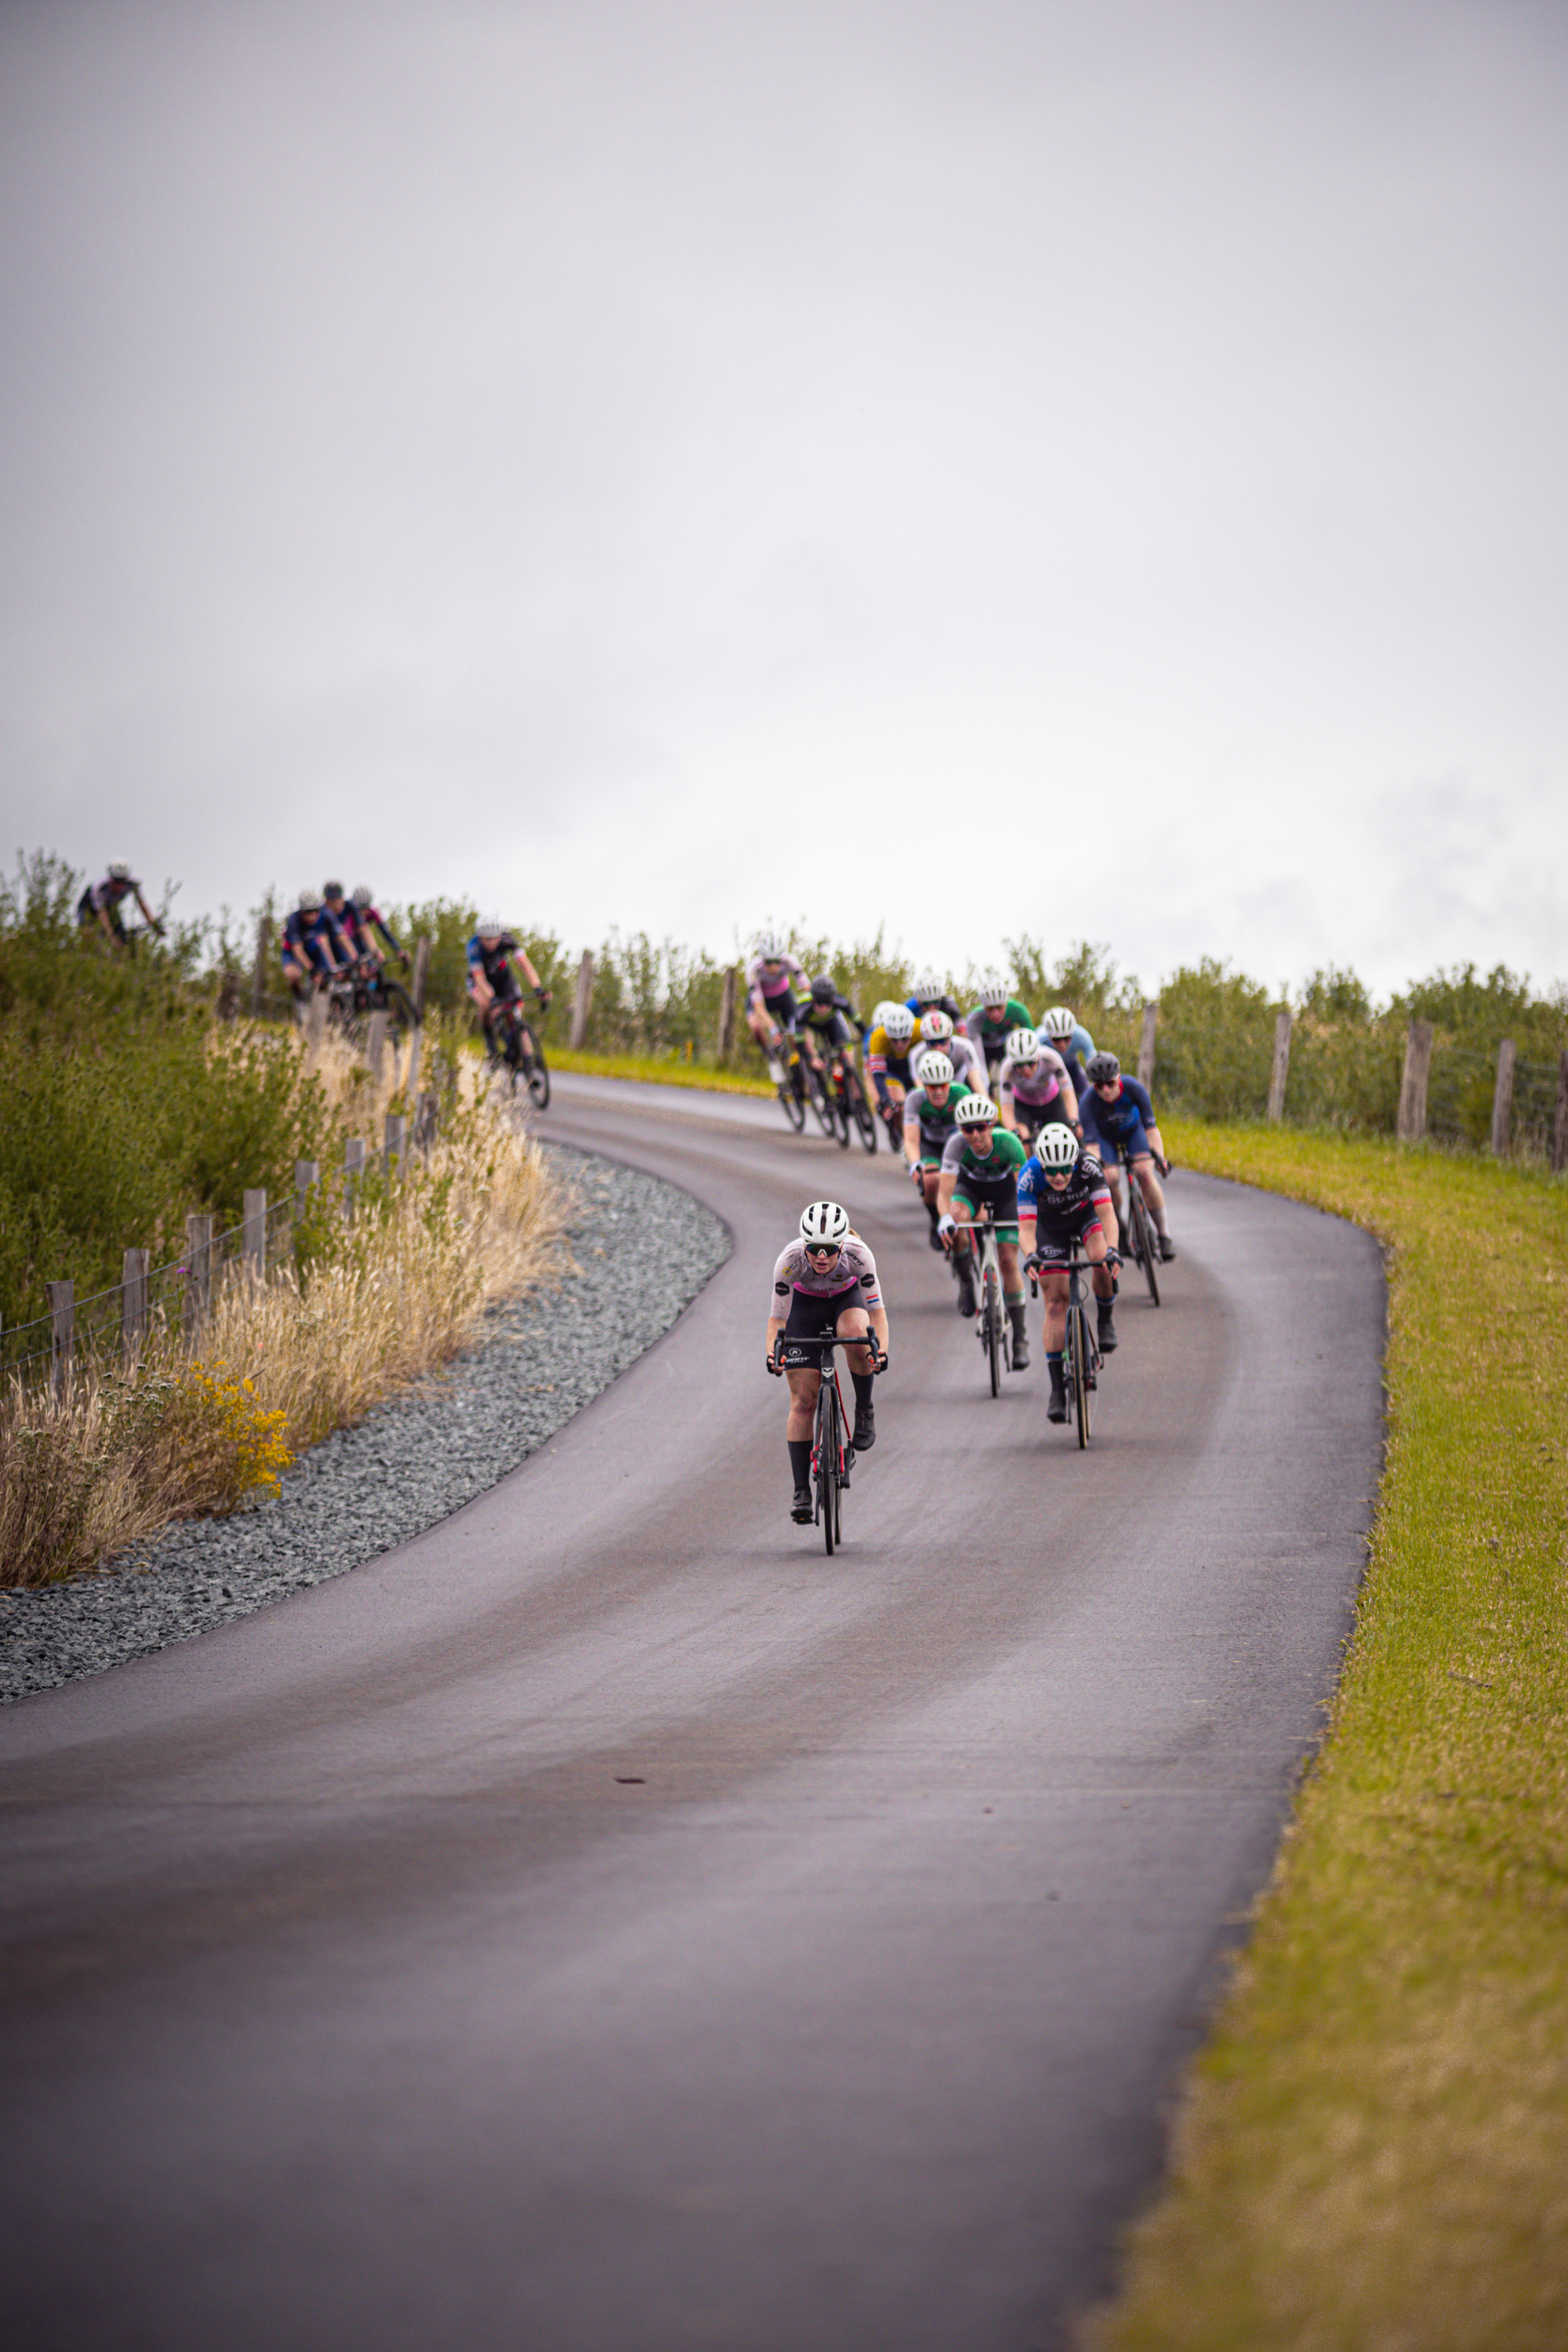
column 1370, row 2147
column 382, row 1280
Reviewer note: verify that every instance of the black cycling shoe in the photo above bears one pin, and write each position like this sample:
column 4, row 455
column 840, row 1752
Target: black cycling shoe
column 934, row 1238
column 800, row 1509
column 1167, row 1248
column 965, row 1291
column 1057, row 1409
column 864, row 1435
column 1106, row 1333
column 1020, row 1352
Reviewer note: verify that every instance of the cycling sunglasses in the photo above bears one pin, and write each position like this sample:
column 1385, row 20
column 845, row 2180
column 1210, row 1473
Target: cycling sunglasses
column 822, row 1249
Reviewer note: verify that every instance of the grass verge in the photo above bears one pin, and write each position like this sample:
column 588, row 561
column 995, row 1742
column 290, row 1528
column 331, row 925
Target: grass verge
column 1373, row 2147
column 658, row 1071
column 366, row 1308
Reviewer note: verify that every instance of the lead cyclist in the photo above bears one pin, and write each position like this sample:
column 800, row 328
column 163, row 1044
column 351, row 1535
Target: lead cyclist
column 825, row 1284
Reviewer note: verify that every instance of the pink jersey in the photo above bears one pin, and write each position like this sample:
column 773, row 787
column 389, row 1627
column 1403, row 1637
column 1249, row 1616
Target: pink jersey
column 776, row 983
column 852, row 1276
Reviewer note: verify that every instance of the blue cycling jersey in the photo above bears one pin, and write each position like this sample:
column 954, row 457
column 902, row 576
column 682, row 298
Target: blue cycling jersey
column 495, row 962
column 317, row 938
column 1123, row 1123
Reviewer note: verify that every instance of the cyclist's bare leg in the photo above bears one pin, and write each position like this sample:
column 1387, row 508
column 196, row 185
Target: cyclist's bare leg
column 804, row 1382
column 1150, row 1186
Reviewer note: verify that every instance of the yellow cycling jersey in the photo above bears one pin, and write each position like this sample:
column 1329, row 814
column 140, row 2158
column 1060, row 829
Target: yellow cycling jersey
column 892, row 1059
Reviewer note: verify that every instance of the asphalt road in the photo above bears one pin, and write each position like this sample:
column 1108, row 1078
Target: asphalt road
column 605, row 1925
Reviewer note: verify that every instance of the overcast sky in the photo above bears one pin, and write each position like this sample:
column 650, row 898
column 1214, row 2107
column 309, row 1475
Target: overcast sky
column 979, row 467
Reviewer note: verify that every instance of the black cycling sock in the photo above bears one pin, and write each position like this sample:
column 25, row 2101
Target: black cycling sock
column 863, row 1383
column 1054, row 1366
column 799, row 1460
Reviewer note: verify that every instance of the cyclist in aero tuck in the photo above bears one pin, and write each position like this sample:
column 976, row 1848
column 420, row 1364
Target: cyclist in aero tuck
column 825, row 1282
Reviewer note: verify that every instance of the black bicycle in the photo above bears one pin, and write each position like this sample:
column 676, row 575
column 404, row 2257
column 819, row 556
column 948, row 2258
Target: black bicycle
column 363, row 989
column 851, row 1111
column 1142, row 1241
column 991, row 1318
column 832, row 1447
column 513, row 1047
column 1081, row 1359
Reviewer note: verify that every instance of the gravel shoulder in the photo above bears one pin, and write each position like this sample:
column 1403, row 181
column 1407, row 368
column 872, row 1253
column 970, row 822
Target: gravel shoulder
column 643, row 1249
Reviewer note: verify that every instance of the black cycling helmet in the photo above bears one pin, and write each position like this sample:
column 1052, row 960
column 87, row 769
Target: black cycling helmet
column 823, row 990
column 332, row 890
column 1102, row 1068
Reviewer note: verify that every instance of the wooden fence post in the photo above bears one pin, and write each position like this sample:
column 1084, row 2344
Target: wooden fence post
column 1412, row 1124
column 354, row 1168
column 376, row 1047
column 1502, row 1100
column 61, row 1296
column 397, row 1140
column 316, row 1021
column 198, row 1272
column 258, row 969
column 411, row 1075
column 307, row 1176
column 421, row 977
column 727, row 1014
column 582, row 1002
column 133, row 1304
column 1146, row 1045
column 254, row 1242
column 1281, row 1070
column 1560, row 1117
column 428, row 1120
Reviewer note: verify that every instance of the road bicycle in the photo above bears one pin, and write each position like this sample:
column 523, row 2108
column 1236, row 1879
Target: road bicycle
column 363, row 989
column 514, row 1045
column 1142, row 1241
column 1081, row 1359
column 991, row 1314
column 847, row 1097
column 832, row 1448
column 801, row 1084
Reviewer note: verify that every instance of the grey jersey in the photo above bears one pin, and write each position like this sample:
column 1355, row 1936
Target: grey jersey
column 968, row 1067
column 853, row 1275
column 1037, row 1085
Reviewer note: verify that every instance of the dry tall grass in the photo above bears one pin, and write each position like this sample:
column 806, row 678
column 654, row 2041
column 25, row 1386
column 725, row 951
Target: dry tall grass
column 370, row 1303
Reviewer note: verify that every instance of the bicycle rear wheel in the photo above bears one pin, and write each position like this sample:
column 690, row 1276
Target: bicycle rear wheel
column 992, row 1310
column 861, row 1112
column 1143, row 1242
column 539, row 1076
column 826, row 1119
column 793, row 1107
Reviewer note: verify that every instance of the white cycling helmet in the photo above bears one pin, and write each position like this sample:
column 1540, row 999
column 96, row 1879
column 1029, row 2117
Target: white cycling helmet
column 1058, row 1023
column 1023, row 1046
column 822, row 1223
column 770, row 948
column 936, row 1070
column 1056, row 1145
column 898, row 1025
column 309, row 902
column 993, row 988
column 118, row 870
column 362, row 894
column 936, row 1027
column 926, row 986
column 489, row 927
column 976, row 1111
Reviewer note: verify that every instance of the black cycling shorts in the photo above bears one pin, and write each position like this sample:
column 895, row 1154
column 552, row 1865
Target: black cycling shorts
column 813, row 1318
column 1053, row 1242
column 780, row 1010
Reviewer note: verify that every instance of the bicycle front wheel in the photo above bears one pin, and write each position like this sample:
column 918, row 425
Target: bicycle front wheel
column 793, row 1106
column 1145, row 1246
column 1083, row 1395
column 827, row 1461
column 825, row 1117
column 861, row 1112
column 841, row 1119
column 539, row 1079
column 992, row 1310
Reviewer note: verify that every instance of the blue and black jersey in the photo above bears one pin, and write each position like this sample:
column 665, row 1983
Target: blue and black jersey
column 1122, row 1126
column 315, row 939
column 495, row 963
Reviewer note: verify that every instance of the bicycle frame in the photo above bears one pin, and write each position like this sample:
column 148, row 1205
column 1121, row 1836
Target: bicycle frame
column 1081, row 1359
column 832, row 1451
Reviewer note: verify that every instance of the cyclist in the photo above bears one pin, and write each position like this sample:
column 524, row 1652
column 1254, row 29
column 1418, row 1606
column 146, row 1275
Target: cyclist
column 313, row 948
column 980, row 1165
column 1118, row 1123
column 360, row 919
column 936, row 1035
column 496, row 960
column 825, row 1282
column 1063, row 1197
column 990, row 1023
column 926, row 996
column 826, row 1023
column 928, row 1115
column 99, row 905
column 889, row 1046
column 1034, row 1086
column 1062, row 1028
column 771, row 978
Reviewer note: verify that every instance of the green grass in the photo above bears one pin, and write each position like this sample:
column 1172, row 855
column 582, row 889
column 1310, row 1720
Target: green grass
column 1373, row 2154
column 672, row 1072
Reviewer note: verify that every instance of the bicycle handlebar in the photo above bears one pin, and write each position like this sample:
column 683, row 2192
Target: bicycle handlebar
column 835, row 1339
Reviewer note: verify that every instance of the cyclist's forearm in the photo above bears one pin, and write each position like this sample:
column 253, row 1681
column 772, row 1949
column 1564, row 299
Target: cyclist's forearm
column 880, row 1326
column 946, row 1185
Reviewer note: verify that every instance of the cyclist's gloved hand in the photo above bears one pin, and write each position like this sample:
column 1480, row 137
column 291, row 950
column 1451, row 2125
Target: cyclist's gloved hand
column 1033, row 1263
column 774, row 1365
column 916, row 1171
column 543, row 996
column 946, row 1223
column 1162, row 1165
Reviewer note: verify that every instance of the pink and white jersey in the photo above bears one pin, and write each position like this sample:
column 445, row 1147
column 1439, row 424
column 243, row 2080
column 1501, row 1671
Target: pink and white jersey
column 775, row 983
column 852, row 1276
column 1041, row 1085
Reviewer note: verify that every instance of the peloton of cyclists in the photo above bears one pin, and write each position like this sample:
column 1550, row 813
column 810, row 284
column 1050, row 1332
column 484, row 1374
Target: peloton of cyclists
column 980, row 1169
column 825, row 1283
column 1064, row 1197
column 98, row 906
column 313, row 948
column 498, row 963
column 1120, row 1124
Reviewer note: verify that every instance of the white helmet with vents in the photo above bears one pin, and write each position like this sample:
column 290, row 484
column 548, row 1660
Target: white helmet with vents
column 936, row 1070
column 976, row 1111
column 1058, row 1023
column 993, row 988
column 927, row 987
column 770, row 948
column 825, row 1224
column 1023, row 1046
column 936, row 1027
column 1055, row 1147
column 898, row 1025
column 490, row 927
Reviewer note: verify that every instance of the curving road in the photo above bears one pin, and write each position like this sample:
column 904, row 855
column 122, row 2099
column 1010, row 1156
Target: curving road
column 605, row 1925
